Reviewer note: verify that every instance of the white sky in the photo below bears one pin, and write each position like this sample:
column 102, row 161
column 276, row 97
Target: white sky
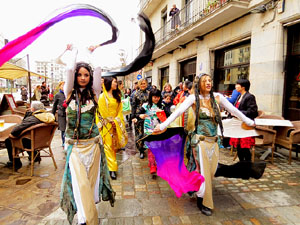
column 17, row 17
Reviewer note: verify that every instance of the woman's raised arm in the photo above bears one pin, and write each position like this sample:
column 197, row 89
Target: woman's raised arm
column 69, row 55
column 182, row 108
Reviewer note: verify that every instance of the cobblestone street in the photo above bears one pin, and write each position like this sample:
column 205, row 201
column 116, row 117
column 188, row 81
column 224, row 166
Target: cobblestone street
column 273, row 199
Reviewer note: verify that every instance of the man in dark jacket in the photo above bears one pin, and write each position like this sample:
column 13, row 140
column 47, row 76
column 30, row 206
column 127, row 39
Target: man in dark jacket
column 36, row 115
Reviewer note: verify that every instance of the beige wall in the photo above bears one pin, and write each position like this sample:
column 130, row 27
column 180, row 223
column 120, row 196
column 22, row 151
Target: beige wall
column 268, row 50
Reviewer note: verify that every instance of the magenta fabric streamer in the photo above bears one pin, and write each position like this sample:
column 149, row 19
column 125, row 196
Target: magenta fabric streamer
column 168, row 149
column 14, row 47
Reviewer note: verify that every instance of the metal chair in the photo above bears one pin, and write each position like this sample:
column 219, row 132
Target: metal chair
column 267, row 137
column 41, row 136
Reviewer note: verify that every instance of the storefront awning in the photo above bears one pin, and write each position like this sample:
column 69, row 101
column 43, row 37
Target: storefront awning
column 11, row 72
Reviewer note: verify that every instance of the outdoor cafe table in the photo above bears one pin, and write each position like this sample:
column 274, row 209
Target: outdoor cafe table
column 4, row 128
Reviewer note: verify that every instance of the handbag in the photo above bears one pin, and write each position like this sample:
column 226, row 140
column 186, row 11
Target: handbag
column 126, row 106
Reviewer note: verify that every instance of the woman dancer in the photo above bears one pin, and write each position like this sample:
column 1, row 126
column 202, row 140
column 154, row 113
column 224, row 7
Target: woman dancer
column 86, row 177
column 112, row 127
column 204, row 139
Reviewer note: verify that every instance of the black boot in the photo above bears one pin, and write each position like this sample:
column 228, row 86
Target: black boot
column 199, row 202
column 113, row 175
column 206, row 211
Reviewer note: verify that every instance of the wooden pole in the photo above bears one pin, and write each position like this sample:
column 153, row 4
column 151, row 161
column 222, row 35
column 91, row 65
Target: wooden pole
column 29, row 79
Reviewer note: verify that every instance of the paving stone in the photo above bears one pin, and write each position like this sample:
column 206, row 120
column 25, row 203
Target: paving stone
column 226, row 203
column 195, row 218
column 185, row 219
column 138, row 221
column 174, row 220
column 148, row 220
column 266, row 199
column 155, row 207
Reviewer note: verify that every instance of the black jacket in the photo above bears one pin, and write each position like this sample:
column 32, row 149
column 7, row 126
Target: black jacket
column 248, row 105
column 59, row 99
column 28, row 121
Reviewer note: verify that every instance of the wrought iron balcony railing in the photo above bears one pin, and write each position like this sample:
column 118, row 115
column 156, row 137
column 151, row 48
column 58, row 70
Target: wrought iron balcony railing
column 194, row 11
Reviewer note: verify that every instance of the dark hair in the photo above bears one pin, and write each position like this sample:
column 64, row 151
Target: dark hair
column 176, row 89
column 244, row 83
column 167, row 95
column 89, row 69
column 87, row 93
column 157, row 93
column 188, row 84
column 120, row 82
column 107, row 84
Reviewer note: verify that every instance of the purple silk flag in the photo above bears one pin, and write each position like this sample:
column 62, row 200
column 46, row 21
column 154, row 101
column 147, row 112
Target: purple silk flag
column 14, row 47
column 168, row 149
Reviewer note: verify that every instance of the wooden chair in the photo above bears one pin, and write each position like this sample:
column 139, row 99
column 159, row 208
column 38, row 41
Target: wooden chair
column 41, row 136
column 289, row 138
column 260, row 113
column 267, row 137
column 9, row 119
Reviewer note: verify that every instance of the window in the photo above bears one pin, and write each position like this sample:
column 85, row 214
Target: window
column 231, row 64
column 188, row 70
column 148, row 76
column 164, row 76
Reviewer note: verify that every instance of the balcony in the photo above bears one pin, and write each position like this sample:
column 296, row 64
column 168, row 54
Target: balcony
column 148, row 6
column 197, row 18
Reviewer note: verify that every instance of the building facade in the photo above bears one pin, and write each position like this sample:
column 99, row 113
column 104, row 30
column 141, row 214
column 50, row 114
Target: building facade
column 54, row 73
column 230, row 39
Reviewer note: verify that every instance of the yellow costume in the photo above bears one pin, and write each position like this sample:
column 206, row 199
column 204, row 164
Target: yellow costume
column 113, row 139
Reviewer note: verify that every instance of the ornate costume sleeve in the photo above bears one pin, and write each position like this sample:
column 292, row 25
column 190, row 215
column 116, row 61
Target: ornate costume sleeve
column 71, row 63
column 97, row 82
column 184, row 106
column 233, row 110
column 120, row 127
column 97, row 87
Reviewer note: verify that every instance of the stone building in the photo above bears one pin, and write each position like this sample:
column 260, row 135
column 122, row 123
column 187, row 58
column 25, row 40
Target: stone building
column 54, row 73
column 230, row 39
